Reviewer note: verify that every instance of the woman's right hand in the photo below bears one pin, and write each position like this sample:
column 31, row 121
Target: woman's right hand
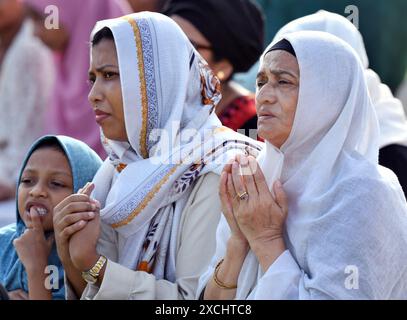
column 227, row 196
column 70, row 216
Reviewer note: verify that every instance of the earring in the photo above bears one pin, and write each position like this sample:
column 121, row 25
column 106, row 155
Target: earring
column 220, row 75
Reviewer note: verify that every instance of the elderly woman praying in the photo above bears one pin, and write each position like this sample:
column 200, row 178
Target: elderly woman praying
column 314, row 216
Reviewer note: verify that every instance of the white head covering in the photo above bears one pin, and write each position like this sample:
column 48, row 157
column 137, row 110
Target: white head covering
column 390, row 112
column 143, row 184
column 344, row 209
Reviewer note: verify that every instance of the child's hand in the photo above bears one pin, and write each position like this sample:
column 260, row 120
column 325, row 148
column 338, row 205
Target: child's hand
column 70, row 216
column 32, row 247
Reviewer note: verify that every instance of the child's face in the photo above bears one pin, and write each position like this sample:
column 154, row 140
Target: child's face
column 45, row 182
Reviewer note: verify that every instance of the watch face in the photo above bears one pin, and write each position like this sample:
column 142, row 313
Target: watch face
column 88, row 278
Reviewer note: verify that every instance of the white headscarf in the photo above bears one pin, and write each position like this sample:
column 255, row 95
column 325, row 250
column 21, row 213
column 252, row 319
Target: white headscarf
column 344, row 209
column 144, row 183
column 390, row 112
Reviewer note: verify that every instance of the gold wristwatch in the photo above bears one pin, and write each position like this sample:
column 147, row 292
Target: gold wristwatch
column 92, row 275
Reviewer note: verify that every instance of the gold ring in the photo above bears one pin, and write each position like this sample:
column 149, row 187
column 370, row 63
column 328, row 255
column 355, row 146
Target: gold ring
column 243, row 196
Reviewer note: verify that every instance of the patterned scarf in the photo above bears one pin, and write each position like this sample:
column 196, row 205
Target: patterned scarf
column 169, row 96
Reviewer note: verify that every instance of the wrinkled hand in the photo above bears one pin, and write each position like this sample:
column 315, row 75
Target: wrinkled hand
column 226, row 194
column 18, row 295
column 259, row 216
column 70, row 216
column 32, row 247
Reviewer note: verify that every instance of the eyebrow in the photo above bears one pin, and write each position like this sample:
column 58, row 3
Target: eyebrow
column 52, row 172
column 101, row 68
column 277, row 72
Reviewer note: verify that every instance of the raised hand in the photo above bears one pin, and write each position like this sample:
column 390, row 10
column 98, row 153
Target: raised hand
column 32, row 247
column 259, row 215
column 227, row 194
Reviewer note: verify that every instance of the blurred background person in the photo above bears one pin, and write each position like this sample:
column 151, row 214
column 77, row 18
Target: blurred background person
column 229, row 35
column 26, row 78
column 382, row 24
column 148, row 5
column 70, row 112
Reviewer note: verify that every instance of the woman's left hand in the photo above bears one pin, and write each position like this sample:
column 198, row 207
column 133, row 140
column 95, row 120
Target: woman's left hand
column 32, row 247
column 260, row 217
column 82, row 244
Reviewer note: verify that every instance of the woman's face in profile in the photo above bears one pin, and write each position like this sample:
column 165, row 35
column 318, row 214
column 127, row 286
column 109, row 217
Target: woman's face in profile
column 105, row 94
column 277, row 87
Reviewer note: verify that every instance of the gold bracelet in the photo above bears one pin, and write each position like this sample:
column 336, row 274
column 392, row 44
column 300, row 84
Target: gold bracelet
column 219, row 283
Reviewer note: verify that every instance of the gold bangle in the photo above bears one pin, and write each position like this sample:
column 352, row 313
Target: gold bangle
column 219, row 283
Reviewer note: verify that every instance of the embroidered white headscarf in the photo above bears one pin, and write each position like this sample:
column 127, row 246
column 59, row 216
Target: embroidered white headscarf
column 145, row 182
column 344, row 209
column 390, row 112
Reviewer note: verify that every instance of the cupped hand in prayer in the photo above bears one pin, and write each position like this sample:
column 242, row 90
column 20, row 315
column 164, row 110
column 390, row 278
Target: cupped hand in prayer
column 259, row 215
column 226, row 194
column 251, row 210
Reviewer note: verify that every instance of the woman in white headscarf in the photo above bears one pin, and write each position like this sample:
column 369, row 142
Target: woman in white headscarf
column 389, row 110
column 318, row 218
column 154, row 99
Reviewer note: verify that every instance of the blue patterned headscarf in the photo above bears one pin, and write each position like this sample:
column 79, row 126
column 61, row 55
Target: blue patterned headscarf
column 84, row 163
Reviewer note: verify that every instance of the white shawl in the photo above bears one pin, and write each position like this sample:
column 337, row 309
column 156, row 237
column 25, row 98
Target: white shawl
column 344, row 209
column 169, row 95
column 390, row 112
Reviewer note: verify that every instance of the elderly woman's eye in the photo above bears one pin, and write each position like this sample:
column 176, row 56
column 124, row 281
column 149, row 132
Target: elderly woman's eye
column 260, row 83
column 283, row 82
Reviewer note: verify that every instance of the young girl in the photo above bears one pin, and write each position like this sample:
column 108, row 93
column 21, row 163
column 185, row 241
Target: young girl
column 54, row 168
